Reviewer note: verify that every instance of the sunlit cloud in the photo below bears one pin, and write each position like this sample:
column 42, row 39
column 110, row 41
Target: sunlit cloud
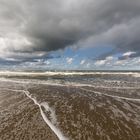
column 69, row 60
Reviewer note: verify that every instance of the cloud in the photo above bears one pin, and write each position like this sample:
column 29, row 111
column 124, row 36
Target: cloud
column 107, row 61
column 115, row 63
column 69, row 60
column 127, row 55
column 33, row 29
column 47, row 62
column 122, row 37
column 82, row 62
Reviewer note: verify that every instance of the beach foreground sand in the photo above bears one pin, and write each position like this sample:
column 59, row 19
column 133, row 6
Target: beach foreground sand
column 20, row 118
column 36, row 110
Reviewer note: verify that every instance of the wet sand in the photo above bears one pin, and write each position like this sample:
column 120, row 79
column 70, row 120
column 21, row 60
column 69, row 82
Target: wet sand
column 86, row 115
column 20, row 118
column 103, row 110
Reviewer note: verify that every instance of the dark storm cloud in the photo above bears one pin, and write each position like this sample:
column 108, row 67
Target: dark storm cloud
column 50, row 25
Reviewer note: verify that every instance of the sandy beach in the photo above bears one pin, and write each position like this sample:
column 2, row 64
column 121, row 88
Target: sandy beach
column 20, row 118
column 36, row 110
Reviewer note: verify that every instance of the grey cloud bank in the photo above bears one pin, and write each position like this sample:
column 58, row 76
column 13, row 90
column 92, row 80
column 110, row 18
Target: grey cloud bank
column 32, row 29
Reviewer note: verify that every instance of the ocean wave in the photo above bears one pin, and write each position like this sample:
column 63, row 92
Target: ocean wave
column 49, row 73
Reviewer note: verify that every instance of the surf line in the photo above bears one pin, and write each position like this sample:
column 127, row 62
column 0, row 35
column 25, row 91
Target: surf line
column 56, row 131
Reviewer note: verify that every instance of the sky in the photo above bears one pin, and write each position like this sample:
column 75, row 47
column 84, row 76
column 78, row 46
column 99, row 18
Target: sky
column 70, row 34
